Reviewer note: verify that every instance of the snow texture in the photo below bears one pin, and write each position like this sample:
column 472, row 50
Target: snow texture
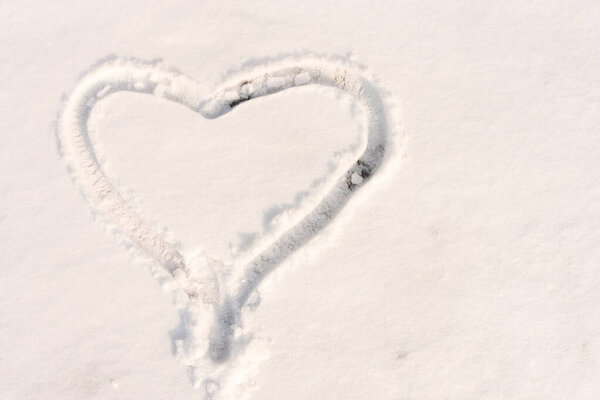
column 464, row 266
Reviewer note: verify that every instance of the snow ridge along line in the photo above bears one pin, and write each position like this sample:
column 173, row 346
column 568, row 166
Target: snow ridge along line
column 208, row 284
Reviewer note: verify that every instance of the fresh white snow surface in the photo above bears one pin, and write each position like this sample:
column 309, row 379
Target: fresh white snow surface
column 467, row 267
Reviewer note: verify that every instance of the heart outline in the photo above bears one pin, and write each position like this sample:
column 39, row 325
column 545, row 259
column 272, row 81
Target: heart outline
column 134, row 75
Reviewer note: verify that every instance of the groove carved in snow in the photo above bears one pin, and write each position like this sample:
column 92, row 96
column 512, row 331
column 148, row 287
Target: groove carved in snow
column 207, row 288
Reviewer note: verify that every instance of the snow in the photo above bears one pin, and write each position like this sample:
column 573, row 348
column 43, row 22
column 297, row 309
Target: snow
column 464, row 267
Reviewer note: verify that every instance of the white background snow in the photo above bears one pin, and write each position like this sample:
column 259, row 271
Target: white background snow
column 468, row 271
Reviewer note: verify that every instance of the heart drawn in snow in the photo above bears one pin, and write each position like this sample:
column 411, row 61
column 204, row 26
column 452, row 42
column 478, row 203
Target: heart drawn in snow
column 209, row 286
